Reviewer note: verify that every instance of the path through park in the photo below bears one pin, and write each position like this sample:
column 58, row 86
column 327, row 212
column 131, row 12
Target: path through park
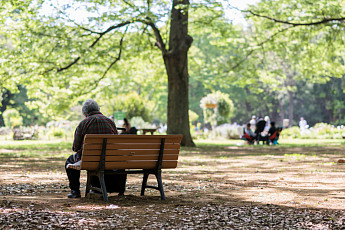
column 214, row 187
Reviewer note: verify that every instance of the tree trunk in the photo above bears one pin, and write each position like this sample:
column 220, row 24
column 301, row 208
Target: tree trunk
column 6, row 98
column 291, row 95
column 281, row 113
column 176, row 64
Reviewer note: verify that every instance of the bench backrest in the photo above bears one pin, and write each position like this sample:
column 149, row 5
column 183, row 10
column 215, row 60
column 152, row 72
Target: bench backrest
column 130, row 151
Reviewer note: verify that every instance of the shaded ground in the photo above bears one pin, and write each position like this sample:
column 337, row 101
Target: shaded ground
column 221, row 187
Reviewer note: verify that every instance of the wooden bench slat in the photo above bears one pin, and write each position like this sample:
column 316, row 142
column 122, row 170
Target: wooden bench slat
column 128, row 165
column 132, row 146
column 129, row 152
column 126, row 158
column 129, row 140
column 98, row 138
column 171, row 136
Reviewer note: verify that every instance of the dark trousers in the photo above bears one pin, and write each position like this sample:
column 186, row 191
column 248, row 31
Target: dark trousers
column 72, row 174
column 114, row 183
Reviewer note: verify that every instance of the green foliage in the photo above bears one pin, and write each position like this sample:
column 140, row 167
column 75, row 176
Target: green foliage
column 318, row 131
column 139, row 123
column 293, row 132
column 131, row 103
column 12, row 118
column 222, row 112
column 193, row 116
column 227, row 131
column 56, row 132
column 260, row 62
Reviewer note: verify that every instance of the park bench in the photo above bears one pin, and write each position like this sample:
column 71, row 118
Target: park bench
column 129, row 154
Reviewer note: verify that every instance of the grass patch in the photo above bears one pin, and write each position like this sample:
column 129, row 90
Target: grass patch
column 282, row 142
column 36, row 145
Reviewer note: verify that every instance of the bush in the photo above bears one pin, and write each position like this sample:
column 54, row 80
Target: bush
column 139, row 123
column 12, row 118
column 227, row 131
column 56, row 132
column 131, row 103
column 293, row 132
column 318, row 131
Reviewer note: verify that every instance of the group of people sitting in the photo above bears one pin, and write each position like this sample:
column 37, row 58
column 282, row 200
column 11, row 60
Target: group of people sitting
column 264, row 131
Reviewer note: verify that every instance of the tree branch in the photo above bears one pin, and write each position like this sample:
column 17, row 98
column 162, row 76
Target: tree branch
column 159, row 40
column 259, row 44
column 116, row 59
column 323, row 21
column 95, row 83
column 101, row 34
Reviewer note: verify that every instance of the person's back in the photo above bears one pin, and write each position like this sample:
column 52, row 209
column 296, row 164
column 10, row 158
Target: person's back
column 260, row 126
column 94, row 123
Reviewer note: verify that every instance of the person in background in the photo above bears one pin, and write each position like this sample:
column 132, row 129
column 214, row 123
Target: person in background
column 249, row 134
column 260, row 126
column 303, row 124
column 252, row 123
column 126, row 125
column 94, row 123
column 273, row 134
column 268, row 122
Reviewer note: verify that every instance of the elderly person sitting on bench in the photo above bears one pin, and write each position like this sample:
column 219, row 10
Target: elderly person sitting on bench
column 94, row 123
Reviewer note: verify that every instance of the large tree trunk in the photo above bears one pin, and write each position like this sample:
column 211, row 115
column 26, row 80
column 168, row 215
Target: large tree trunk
column 176, row 63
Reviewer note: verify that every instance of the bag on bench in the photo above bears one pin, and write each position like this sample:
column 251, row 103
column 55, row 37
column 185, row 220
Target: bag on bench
column 115, row 183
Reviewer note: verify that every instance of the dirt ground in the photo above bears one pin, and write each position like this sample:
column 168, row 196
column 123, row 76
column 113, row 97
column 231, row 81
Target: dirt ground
column 228, row 187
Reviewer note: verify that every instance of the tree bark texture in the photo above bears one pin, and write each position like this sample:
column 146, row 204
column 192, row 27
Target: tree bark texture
column 176, row 63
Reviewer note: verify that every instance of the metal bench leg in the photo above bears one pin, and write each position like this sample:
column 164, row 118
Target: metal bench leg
column 104, row 189
column 143, row 186
column 88, row 184
column 160, row 184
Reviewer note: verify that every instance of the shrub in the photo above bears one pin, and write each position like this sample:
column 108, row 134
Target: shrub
column 56, row 132
column 12, row 118
column 318, row 131
column 139, row 123
column 227, row 131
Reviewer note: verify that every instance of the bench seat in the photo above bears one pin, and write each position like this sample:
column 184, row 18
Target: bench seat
column 129, row 154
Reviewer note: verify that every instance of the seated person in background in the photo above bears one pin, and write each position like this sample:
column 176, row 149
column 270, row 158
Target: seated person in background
column 273, row 134
column 127, row 126
column 260, row 126
column 249, row 134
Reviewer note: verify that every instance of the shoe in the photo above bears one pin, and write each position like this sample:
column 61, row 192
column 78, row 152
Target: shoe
column 74, row 194
column 75, row 166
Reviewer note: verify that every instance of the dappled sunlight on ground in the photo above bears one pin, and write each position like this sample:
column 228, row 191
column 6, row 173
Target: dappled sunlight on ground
column 212, row 187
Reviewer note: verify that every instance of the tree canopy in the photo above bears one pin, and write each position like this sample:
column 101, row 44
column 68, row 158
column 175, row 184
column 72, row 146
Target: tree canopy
column 287, row 53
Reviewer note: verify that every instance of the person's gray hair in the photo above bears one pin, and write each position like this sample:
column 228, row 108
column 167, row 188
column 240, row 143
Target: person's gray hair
column 90, row 106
